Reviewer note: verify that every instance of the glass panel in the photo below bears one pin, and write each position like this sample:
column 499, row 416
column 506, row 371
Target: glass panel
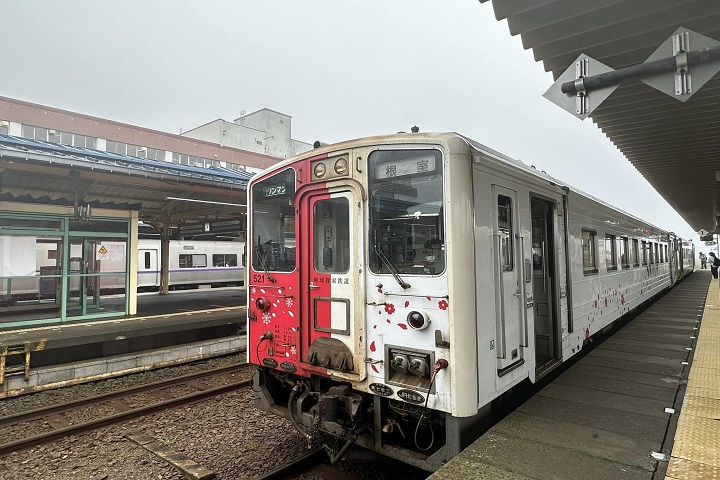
column 29, row 223
column 4, row 127
column 99, row 226
column 41, row 134
column 406, row 212
column 505, row 230
column 28, row 279
column 78, row 140
column 54, row 137
column 224, row 260
column 610, row 257
column 66, row 138
column 194, row 260
column 331, row 227
column 588, row 249
column 90, row 142
column 636, row 253
column 624, row 260
column 273, row 224
column 28, row 131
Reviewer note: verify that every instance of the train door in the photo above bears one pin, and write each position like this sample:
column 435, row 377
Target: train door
column 331, row 252
column 148, row 271
column 544, row 285
column 511, row 314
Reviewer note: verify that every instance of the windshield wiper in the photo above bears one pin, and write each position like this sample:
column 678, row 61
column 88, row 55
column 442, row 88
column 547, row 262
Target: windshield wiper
column 381, row 255
column 261, row 258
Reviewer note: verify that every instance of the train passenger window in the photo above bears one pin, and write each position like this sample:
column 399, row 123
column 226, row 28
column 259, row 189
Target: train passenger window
column 505, row 227
column 636, row 253
column 624, row 252
column 331, row 235
column 589, row 247
column 610, row 257
column 667, row 259
column 643, row 253
column 147, row 260
column 194, row 260
column 224, row 260
column 657, row 257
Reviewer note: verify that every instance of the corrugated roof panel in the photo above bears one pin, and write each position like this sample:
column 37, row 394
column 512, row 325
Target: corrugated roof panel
column 675, row 145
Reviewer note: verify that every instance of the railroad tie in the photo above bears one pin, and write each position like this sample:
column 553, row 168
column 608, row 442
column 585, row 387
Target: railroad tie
column 191, row 469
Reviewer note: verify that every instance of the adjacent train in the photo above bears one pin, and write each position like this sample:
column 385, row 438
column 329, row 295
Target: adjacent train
column 191, row 263
column 400, row 284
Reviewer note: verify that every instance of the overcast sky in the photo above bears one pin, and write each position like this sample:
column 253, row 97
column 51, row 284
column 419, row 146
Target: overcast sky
column 341, row 69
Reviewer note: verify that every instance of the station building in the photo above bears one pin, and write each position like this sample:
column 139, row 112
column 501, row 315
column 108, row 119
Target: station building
column 77, row 193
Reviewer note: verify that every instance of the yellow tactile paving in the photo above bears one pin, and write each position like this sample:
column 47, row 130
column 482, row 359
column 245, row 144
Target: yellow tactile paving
column 696, row 449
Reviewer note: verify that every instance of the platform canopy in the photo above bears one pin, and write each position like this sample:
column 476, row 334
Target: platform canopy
column 32, row 171
column 675, row 145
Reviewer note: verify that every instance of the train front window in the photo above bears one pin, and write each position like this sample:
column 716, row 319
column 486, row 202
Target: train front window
column 406, row 212
column 273, row 223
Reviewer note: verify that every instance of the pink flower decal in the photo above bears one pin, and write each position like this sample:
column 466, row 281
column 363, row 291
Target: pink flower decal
column 402, row 325
column 442, row 305
column 407, row 304
column 374, row 368
column 387, row 320
column 390, row 308
column 372, row 347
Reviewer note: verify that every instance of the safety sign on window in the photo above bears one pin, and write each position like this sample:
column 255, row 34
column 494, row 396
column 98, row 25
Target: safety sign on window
column 102, row 253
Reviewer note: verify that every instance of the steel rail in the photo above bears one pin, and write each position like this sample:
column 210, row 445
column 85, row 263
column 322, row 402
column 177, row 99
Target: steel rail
column 61, row 407
column 45, row 437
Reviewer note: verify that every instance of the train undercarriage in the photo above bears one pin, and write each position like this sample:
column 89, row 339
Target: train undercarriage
column 330, row 413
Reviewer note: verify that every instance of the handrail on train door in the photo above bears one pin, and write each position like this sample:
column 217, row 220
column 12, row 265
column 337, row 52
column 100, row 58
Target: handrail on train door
column 522, row 290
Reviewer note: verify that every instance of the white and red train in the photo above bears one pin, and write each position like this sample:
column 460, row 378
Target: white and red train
column 400, row 284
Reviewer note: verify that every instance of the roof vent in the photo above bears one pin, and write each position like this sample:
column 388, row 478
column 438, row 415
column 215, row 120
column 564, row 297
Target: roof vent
column 415, row 129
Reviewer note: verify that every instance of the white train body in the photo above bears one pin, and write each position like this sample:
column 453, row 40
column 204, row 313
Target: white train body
column 362, row 336
column 215, row 263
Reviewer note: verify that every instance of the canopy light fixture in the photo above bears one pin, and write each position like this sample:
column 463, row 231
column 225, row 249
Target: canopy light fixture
column 206, row 201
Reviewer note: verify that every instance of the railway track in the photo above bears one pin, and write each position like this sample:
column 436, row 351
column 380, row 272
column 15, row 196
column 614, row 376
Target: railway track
column 35, row 427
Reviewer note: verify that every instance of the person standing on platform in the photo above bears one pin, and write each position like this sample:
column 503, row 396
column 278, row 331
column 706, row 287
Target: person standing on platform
column 703, row 260
column 714, row 264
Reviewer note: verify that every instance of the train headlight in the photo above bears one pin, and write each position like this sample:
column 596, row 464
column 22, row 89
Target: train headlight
column 418, row 320
column 262, row 304
column 319, row 170
column 341, row 166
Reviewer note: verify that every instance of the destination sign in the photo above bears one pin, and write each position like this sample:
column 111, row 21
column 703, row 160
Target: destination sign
column 412, row 166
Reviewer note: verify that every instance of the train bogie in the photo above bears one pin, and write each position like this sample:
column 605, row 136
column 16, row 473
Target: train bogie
column 399, row 285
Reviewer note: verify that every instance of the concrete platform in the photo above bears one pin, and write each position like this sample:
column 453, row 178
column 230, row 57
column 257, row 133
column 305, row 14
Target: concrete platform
column 610, row 416
column 182, row 326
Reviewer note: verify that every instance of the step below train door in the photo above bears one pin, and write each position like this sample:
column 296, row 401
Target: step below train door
column 331, row 252
column 511, row 320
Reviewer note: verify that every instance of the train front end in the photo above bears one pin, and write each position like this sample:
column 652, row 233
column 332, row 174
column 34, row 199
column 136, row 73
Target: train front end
column 350, row 298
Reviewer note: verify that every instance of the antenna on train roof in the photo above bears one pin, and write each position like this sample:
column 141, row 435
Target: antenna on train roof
column 319, row 144
column 415, row 129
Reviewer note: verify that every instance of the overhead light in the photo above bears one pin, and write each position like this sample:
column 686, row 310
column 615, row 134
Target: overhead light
column 206, row 201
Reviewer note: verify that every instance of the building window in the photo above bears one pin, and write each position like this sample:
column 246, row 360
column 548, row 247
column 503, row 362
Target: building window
column 589, row 247
column 4, row 127
column 624, row 252
column 610, row 257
